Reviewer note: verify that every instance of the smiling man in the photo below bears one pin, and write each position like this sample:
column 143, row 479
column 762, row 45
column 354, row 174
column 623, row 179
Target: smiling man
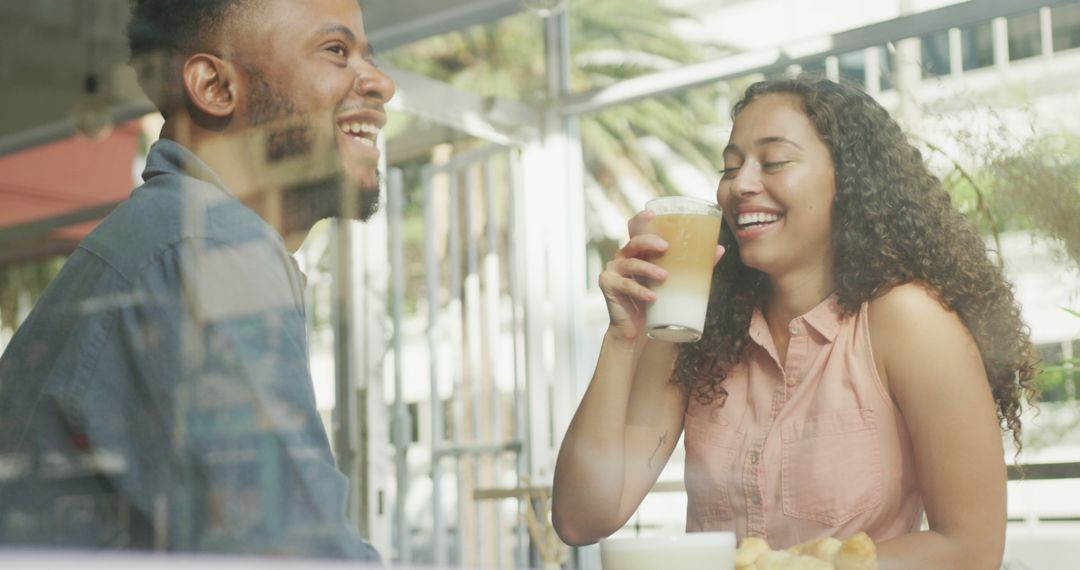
column 158, row 396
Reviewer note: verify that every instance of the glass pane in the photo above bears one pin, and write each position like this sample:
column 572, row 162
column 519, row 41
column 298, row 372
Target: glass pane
column 1025, row 37
column 853, row 67
column 935, row 54
column 1051, row 353
column 502, row 59
column 1075, row 360
column 977, row 44
column 815, row 68
column 679, row 141
column 1052, row 379
column 1065, row 22
column 885, row 65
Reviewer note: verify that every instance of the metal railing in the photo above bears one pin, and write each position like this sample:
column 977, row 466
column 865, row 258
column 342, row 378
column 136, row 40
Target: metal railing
column 471, row 307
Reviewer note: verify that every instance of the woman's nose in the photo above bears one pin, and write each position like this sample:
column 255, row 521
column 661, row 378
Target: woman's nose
column 746, row 182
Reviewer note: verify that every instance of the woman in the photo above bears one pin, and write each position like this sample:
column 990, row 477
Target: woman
column 860, row 353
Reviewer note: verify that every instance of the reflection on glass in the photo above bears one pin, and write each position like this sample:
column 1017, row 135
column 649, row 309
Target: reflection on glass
column 1074, row 364
column 1053, row 380
column 1066, row 26
column 885, row 64
column 935, row 54
column 1025, row 36
column 816, row 68
column 977, row 45
column 853, row 67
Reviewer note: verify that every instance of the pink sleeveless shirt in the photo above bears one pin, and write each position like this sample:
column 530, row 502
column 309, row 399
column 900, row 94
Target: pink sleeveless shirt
column 807, row 449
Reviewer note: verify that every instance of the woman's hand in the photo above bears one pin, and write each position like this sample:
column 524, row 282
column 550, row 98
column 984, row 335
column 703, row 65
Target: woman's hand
column 622, row 280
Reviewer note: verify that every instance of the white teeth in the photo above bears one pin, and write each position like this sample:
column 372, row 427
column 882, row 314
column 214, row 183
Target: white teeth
column 757, row 218
column 368, row 142
column 356, row 128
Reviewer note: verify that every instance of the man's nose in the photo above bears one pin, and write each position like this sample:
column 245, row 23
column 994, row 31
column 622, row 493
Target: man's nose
column 372, row 82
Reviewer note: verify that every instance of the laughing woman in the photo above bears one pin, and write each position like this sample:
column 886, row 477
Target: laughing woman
column 861, row 353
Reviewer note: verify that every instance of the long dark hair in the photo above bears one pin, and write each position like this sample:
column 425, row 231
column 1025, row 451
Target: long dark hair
column 893, row 223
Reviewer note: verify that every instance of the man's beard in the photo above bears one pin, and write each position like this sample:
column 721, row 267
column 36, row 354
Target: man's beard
column 303, row 205
column 291, row 133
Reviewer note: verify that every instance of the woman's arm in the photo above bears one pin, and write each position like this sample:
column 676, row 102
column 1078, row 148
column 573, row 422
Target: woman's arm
column 619, row 440
column 931, row 365
column 631, row 414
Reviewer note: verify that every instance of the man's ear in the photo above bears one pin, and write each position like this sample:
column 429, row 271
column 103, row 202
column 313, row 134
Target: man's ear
column 211, row 85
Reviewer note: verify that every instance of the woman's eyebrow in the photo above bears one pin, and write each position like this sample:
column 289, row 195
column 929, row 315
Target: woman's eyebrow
column 734, row 149
column 777, row 140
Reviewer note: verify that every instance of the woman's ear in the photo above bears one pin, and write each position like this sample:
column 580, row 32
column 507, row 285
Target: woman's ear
column 211, row 85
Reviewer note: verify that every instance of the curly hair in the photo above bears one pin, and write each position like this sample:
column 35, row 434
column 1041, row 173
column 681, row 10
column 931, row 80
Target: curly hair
column 163, row 33
column 893, row 223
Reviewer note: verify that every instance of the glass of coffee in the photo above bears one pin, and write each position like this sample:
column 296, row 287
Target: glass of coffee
column 691, row 227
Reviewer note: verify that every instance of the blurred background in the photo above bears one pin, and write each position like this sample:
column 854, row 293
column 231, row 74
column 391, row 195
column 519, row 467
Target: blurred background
column 453, row 335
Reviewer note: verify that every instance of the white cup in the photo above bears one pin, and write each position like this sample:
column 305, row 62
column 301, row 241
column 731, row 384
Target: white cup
column 693, row 551
column 691, row 227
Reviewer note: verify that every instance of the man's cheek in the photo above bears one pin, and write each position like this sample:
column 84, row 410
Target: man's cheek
column 360, row 168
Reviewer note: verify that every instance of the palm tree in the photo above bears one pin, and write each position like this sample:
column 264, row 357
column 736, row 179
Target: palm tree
column 626, row 148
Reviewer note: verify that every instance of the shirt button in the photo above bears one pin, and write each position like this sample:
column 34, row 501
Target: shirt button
column 756, row 499
column 753, row 457
column 795, row 329
column 791, row 381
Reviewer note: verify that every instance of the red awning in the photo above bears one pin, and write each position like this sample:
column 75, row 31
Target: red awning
column 51, row 196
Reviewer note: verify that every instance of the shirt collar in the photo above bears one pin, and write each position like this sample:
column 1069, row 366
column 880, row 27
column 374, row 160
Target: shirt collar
column 170, row 157
column 824, row 319
column 759, row 330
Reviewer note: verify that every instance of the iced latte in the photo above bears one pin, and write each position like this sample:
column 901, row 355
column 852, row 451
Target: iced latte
column 691, row 228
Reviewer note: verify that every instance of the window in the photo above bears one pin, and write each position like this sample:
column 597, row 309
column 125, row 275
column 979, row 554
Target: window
column 977, row 45
column 412, row 419
column 885, row 67
column 853, row 67
column 935, row 54
column 1072, row 366
column 1065, row 22
column 1025, row 36
column 815, row 68
column 1051, row 353
column 1059, row 379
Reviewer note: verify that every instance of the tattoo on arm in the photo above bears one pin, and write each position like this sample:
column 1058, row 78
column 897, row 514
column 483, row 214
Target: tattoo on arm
column 660, row 443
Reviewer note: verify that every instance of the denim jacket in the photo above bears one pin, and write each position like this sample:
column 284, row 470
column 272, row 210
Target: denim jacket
column 159, row 397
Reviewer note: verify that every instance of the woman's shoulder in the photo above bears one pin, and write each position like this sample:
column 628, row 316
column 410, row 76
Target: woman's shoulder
column 909, row 301
column 912, row 317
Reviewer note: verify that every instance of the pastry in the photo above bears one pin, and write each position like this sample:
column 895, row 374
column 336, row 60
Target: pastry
column 823, row 549
column 855, row 553
column 749, row 551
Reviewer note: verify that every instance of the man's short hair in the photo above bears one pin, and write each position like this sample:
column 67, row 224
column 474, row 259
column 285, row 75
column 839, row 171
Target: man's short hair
column 163, row 33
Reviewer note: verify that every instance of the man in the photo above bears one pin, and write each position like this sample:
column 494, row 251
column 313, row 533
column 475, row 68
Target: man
column 158, row 396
